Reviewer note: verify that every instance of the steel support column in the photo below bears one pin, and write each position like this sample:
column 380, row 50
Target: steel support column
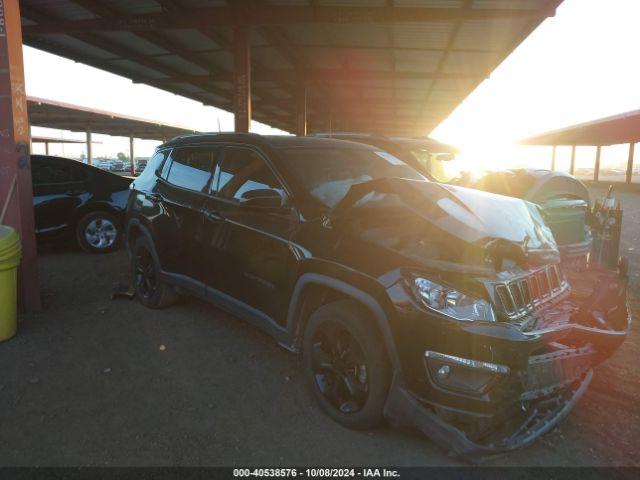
column 596, row 169
column 242, row 79
column 572, row 167
column 630, row 162
column 301, row 108
column 89, row 149
column 132, row 155
column 46, row 148
column 16, row 196
column 553, row 158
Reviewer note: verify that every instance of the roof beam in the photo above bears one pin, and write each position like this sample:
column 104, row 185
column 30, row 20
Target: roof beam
column 277, row 15
column 328, row 75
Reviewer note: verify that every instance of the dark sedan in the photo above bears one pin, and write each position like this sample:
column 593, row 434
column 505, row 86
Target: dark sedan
column 73, row 200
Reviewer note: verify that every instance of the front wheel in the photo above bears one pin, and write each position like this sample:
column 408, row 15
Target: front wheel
column 98, row 232
column 346, row 364
column 150, row 289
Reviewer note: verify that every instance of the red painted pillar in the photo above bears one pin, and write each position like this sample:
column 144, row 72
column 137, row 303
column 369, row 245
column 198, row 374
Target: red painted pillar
column 16, row 196
column 242, row 79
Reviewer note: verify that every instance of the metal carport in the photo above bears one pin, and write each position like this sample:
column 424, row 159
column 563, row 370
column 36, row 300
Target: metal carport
column 615, row 130
column 64, row 116
column 397, row 67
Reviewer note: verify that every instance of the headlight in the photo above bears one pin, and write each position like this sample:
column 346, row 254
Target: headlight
column 452, row 303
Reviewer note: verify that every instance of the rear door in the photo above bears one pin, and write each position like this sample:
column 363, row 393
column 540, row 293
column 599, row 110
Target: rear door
column 182, row 190
column 247, row 246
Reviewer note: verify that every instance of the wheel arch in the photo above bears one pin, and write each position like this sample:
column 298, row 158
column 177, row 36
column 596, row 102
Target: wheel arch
column 312, row 290
column 92, row 207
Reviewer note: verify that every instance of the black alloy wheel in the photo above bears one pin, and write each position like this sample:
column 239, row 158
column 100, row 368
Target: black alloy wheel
column 146, row 278
column 340, row 368
column 347, row 365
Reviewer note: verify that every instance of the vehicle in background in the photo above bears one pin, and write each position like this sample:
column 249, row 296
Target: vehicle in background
column 103, row 164
column 434, row 159
column 117, row 166
column 437, row 307
column 563, row 198
column 141, row 163
column 75, row 201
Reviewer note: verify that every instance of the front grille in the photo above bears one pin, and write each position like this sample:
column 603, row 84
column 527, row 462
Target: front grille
column 519, row 297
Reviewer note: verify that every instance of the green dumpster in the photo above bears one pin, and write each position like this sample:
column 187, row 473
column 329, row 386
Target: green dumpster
column 9, row 260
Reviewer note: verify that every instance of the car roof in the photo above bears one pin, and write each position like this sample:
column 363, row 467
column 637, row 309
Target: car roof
column 274, row 141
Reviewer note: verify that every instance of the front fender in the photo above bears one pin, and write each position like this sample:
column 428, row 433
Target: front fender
column 365, row 298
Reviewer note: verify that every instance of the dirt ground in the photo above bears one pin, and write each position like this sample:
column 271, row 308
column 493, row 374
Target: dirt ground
column 90, row 381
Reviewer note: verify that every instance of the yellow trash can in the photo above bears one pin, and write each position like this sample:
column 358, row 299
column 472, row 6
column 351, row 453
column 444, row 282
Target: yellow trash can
column 9, row 261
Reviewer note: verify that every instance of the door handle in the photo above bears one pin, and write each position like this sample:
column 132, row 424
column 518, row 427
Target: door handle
column 154, row 196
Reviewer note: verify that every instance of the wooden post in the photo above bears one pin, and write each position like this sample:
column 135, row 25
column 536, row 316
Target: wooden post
column 242, row 79
column 630, row 162
column 553, row 158
column 89, row 150
column 596, row 170
column 301, row 107
column 132, row 155
column 16, row 196
column 572, row 168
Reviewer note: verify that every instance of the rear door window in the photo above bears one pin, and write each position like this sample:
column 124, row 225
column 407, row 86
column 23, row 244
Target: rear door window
column 191, row 168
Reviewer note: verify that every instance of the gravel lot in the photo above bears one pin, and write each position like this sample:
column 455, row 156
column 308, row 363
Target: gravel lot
column 90, row 381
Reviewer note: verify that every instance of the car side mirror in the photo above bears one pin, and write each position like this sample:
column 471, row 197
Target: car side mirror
column 263, row 198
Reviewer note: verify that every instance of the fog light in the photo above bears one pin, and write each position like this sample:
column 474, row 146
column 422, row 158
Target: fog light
column 444, row 372
column 466, row 362
column 463, row 374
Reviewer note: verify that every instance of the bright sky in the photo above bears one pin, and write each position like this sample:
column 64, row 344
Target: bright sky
column 580, row 65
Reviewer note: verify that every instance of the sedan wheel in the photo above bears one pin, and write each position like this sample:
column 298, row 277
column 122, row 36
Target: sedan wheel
column 101, row 233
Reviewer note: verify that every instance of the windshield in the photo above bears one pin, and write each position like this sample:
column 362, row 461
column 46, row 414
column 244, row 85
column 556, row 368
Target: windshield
column 328, row 173
column 441, row 170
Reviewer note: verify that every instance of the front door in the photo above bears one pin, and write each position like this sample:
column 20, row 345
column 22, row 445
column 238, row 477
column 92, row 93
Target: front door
column 247, row 250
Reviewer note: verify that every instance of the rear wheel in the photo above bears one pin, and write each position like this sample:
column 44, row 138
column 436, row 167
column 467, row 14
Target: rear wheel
column 150, row 289
column 346, row 363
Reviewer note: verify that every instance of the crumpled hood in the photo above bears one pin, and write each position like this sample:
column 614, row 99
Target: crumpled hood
column 468, row 223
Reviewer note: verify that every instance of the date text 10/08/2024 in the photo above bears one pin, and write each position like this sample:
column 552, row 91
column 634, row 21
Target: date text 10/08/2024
column 316, row 472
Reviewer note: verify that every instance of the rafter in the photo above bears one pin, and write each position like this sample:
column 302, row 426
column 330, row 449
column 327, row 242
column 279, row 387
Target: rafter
column 279, row 15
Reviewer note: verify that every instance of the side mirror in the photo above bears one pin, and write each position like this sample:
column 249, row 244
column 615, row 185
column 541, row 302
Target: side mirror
column 262, row 198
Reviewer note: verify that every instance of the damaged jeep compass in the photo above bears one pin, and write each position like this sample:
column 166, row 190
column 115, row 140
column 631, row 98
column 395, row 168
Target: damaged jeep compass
column 440, row 308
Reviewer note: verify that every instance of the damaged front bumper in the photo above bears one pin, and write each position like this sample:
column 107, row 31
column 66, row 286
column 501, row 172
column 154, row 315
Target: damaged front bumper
column 482, row 389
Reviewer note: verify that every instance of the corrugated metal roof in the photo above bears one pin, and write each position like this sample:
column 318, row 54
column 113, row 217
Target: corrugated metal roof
column 397, row 67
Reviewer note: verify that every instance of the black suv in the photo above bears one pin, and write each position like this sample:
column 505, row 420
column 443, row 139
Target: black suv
column 437, row 307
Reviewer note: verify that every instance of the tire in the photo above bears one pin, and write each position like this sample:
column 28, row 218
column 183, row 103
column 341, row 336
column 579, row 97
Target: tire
column 334, row 376
column 99, row 232
column 145, row 275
